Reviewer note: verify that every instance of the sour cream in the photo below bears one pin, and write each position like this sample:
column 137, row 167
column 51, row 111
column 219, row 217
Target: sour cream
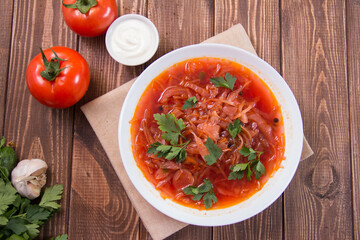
column 132, row 39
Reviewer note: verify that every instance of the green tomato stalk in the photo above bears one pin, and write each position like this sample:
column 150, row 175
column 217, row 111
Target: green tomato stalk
column 82, row 5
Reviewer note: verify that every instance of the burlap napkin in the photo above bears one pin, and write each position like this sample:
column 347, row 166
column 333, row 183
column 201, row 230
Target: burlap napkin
column 103, row 116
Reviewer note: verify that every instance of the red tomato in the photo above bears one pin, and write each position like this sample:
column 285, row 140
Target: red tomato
column 68, row 85
column 95, row 21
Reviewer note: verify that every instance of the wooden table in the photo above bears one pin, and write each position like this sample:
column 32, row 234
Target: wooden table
column 314, row 44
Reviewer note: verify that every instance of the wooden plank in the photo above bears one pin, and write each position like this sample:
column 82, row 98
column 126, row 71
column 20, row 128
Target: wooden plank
column 318, row 203
column 5, row 39
column 261, row 20
column 181, row 23
column 96, row 190
column 353, row 61
column 39, row 131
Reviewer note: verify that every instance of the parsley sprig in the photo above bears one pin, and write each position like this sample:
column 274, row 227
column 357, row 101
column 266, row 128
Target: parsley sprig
column 22, row 218
column 234, row 129
column 228, row 82
column 191, row 102
column 204, row 191
column 169, row 152
column 214, row 152
column 170, row 126
column 253, row 166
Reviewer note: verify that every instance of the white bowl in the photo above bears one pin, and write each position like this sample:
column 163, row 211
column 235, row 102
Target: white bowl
column 274, row 187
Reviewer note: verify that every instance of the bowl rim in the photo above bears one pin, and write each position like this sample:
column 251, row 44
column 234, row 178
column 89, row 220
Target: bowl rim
column 220, row 220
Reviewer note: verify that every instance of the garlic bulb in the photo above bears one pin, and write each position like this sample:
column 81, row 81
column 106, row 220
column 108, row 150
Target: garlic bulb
column 28, row 177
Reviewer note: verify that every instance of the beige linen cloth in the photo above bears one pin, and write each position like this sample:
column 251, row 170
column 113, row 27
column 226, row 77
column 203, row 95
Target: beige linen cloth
column 103, row 116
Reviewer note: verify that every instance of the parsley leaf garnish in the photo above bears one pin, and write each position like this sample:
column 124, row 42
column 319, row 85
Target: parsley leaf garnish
column 51, row 195
column 61, row 237
column 214, row 152
column 36, row 214
column 3, row 221
column 191, row 102
column 170, row 126
column 254, row 166
column 204, row 191
column 234, row 129
column 209, row 199
column 17, row 225
column 250, row 153
column 7, row 195
column 228, row 82
column 32, row 230
column 169, row 152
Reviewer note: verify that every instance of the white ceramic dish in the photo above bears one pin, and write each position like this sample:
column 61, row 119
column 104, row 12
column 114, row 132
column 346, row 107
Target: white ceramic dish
column 132, row 39
column 275, row 185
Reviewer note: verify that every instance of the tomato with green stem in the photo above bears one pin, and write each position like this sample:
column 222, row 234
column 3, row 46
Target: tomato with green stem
column 89, row 18
column 58, row 77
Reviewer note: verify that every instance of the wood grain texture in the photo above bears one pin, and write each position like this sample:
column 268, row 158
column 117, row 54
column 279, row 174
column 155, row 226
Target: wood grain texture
column 314, row 44
column 100, row 208
column 181, row 23
column 38, row 131
column 353, row 61
column 261, row 20
column 318, row 201
column 5, row 40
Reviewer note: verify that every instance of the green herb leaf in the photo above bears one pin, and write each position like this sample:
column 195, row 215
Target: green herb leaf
column 249, row 173
column 16, row 237
column 198, row 197
column 170, row 126
column 191, row 102
column 250, row 153
column 206, row 187
column 51, row 195
column 17, row 225
column 239, row 167
column 189, row 190
column 8, row 160
column 36, row 214
column 231, row 80
column 204, row 191
column 214, row 152
column 259, row 170
column 32, row 230
column 209, row 199
column 169, row 152
column 244, row 151
column 3, row 221
column 228, row 82
column 2, row 142
column 237, row 171
column 234, row 129
column 253, row 166
column 7, row 196
column 236, row 175
column 61, row 237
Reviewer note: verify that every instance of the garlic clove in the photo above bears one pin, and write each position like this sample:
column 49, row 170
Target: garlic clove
column 29, row 176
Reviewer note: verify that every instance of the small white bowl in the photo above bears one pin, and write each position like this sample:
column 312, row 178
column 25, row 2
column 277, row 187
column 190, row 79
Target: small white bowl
column 132, row 39
column 274, row 187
